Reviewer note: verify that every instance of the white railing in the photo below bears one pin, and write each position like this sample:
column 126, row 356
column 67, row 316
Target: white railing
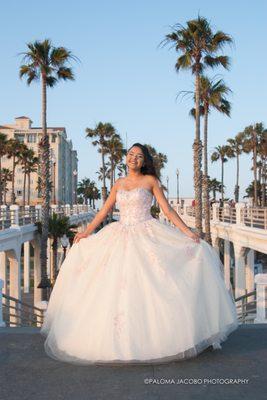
column 14, row 215
column 254, row 217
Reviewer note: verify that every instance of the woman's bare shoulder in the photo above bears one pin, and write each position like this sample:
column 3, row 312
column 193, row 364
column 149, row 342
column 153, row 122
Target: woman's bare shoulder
column 119, row 182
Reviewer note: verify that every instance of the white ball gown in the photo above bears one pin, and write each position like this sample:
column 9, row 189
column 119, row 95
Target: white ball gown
column 137, row 291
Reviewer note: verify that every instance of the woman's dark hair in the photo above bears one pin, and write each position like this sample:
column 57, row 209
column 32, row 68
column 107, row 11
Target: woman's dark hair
column 148, row 167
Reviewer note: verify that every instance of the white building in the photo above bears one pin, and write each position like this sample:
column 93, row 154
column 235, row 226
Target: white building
column 64, row 162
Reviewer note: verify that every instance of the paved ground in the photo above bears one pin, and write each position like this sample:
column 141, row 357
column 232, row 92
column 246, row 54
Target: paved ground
column 26, row 373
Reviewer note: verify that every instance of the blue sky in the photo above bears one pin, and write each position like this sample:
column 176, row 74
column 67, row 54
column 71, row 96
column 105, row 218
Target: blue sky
column 125, row 79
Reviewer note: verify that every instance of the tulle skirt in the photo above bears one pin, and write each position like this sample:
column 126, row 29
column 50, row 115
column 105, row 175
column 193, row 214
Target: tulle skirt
column 138, row 294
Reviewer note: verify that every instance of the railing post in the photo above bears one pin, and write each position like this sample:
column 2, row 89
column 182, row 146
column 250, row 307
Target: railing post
column 14, row 210
column 239, row 207
column 38, row 212
column 2, row 323
column 67, row 209
column 53, row 209
column 261, row 298
column 215, row 212
column 3, row 215
column 43, row 306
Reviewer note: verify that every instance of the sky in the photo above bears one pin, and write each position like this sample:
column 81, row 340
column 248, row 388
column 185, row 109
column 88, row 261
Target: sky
column 126, row 78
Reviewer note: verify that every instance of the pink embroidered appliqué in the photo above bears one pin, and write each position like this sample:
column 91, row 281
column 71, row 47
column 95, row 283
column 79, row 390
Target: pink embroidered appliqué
column 119, row 322
column 190, row 251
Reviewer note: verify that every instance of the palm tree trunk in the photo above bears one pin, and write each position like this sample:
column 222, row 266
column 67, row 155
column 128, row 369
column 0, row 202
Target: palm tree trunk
column 55, row 248
column 197, row 148
column 237, row 179
column 264, row 183
column 255, row 167
column 29, row 188
column 5, row 192
column 222, row 178
column 24, row 187
column 1, row 183
column 104, row 189
column 45, row 166
column 206, row 183
column 13, row 198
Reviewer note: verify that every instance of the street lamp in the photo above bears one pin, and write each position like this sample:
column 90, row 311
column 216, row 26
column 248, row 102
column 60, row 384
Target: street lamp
column 65, row 243
column 177, row 175
column 75, row 173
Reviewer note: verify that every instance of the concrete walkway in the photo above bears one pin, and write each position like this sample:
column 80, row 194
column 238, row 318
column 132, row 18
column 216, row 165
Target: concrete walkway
column 26, row 373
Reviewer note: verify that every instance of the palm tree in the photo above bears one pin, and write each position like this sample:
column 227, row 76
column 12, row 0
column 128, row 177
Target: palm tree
column 25, row 157
column 102, row 133
column 14, row 149
column 236, row 144
column 59, row 225
column 159, row 159
column 6, row 176
column 212, row 96
column 3, row 144
column 253, row 137
column 115, row 153
column 45, row 62
column 221, row 153
column 198, row 47
column 32, row 167
column 214, row 186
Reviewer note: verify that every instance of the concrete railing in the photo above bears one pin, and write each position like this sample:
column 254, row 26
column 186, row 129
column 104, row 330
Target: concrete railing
column 254, row 217
column 15, row 216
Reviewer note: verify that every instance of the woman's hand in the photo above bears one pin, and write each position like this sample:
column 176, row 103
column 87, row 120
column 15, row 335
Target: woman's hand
column 194, row 236
column 79, row 236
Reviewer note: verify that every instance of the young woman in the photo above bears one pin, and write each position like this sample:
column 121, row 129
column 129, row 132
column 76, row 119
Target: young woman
column 138, row 290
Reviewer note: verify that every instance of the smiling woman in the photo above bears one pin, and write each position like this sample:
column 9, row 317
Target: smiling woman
column 138, row 291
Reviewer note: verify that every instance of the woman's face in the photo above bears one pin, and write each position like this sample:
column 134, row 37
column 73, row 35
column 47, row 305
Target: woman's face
column 135, row 158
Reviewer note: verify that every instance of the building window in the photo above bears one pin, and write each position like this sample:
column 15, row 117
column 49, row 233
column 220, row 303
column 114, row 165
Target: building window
column 20, row 138
column 32, row 138
column 19, row 192
column 54, row 137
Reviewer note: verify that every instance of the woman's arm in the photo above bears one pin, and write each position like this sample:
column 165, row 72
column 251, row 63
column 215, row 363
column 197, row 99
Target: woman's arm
column 103, row 212
column 100, row 216
column 170, row 213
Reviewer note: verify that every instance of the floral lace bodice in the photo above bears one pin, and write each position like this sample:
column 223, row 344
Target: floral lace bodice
column 134, row 205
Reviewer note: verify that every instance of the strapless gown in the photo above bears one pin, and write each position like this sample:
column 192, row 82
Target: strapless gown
column 138, row 291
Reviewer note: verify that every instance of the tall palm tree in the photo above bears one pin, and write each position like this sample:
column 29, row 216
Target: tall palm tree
column 236, row 144
column 221, row 153
column 253, row 136
column 212, row 96
column 14, row 150
column 198, row 47
column 6, row 176
column 45, row 62
column 3, row 144
column 101, row 133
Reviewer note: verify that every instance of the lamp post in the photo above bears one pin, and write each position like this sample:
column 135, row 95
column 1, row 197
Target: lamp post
column 75, row 173
column 65, row 243
column 177, row 175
